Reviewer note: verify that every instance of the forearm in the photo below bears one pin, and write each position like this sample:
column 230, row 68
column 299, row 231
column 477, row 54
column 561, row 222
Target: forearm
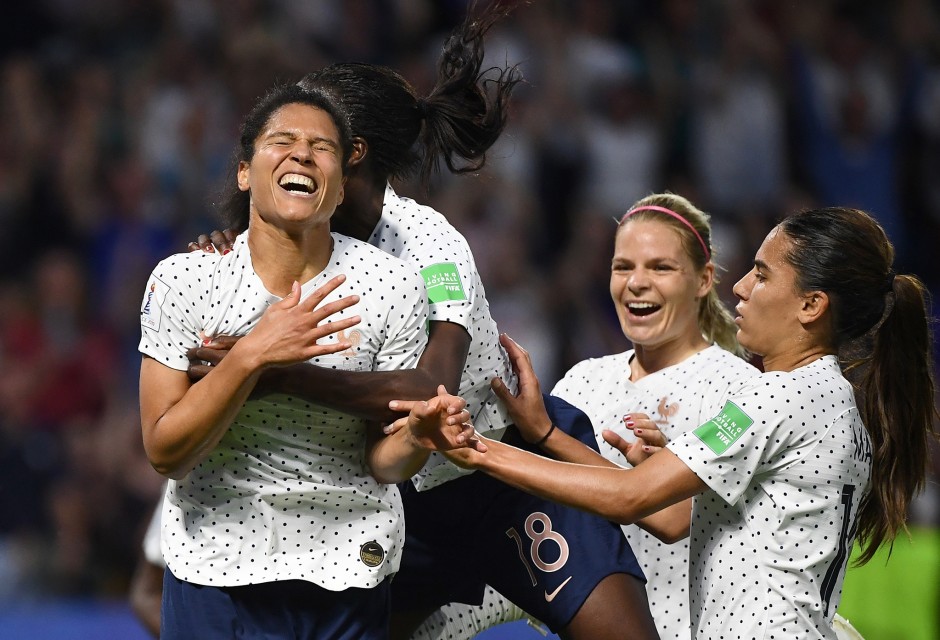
column 671, row 524
column 181, row 435
column 607, row 491
column 364, row 394
column 397, row 457
column 562, row 446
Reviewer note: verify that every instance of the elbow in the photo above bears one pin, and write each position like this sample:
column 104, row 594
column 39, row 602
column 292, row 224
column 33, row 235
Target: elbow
column 624, row 511
column 672, row 535
column 394, row 474
column 166, row 464
column 384, row 478
column 169, row 470
column 169, row 460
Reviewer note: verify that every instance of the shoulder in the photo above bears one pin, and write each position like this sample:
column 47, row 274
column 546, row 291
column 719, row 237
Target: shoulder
column 346, row 250
column 185, row 267
column 717, row 362
column 594, row 367
column 408, row 217
column 366, row 263
column 772, row 390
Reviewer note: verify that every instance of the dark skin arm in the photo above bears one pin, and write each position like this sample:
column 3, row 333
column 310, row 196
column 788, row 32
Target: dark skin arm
column 364, row 394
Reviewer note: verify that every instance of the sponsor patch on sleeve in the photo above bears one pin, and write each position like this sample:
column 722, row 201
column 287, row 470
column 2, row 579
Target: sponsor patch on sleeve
column 151, row 312
column 723, row 430
column 443, row 283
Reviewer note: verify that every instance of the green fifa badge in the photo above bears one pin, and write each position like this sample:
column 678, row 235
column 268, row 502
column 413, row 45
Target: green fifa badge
column 723, row 430
column 443, row 283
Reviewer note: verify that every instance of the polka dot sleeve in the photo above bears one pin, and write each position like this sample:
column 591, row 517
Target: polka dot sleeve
column 406, row 325
column 745, row 437
column 171, row 320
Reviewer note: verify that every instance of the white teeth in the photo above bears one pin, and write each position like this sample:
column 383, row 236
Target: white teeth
column 297, row 179
column 641, row 305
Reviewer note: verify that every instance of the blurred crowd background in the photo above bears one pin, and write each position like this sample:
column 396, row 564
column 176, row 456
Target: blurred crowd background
column 118, row 120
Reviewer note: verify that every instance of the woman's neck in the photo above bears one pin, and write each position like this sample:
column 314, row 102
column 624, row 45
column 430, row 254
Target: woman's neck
column 280, row 257
column 650, row 359
column 794, row 359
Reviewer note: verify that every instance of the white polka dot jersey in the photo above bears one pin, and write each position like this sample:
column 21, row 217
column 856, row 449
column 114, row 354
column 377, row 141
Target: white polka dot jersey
column 285, row 494
column 787, row 461
column 678, row 398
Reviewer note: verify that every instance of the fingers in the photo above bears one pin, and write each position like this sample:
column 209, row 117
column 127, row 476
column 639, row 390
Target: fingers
column 323, row 290
column 321, row 313
column 521, row 363
column 477, row 444
column 221, row 343
column 328, row 328
column 404, row 405
column 204, row 243
column 652, row 437
column 511, row 345
column 645, row 429
column 291, row 299
column 223, row 240
column 501, row 390
column 396, row 426
column 206, row 354
column 615, row 441
column 198, row 371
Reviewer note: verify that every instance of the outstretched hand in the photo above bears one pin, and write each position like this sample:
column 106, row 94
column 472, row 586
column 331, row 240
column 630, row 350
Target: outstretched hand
column 439, row 424
column 649, row 439
column 527, row 408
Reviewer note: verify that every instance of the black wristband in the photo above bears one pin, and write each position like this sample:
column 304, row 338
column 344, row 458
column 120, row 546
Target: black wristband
column 545, row 437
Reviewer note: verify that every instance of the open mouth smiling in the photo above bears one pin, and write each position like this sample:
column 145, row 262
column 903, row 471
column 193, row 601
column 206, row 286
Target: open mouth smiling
column 642, row 308
column 297, row 184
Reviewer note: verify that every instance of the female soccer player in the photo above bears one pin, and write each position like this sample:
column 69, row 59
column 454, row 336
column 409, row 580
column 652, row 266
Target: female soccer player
column 684, row 358
column 791, row 470
column 277, row 520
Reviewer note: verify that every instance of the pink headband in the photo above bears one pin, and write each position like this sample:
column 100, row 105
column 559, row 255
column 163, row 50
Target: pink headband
column 670, row 212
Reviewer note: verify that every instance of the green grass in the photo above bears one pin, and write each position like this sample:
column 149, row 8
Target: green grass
column 897, row 599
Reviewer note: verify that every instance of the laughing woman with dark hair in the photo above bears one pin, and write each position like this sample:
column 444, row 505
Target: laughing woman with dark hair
column 280, row 519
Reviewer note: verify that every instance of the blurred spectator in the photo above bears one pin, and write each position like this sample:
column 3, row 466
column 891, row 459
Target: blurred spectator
column 851, row 104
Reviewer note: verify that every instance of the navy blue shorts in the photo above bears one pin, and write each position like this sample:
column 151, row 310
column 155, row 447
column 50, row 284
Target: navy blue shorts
column 286, row 609
column 475, row 530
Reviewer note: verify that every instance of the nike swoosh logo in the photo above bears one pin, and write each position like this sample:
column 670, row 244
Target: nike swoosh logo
column 551, row 596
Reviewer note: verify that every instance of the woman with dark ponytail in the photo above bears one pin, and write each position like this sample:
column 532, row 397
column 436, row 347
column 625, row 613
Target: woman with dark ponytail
column 596, row 590
column 798, row 463
column 880, row 329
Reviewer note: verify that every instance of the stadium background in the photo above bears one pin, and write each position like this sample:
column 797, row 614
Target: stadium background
column 117, row 123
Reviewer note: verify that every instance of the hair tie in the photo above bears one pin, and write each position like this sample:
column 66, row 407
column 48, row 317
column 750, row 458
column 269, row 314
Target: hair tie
column 422, row 106
column 889, row 282
column 670, row 212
